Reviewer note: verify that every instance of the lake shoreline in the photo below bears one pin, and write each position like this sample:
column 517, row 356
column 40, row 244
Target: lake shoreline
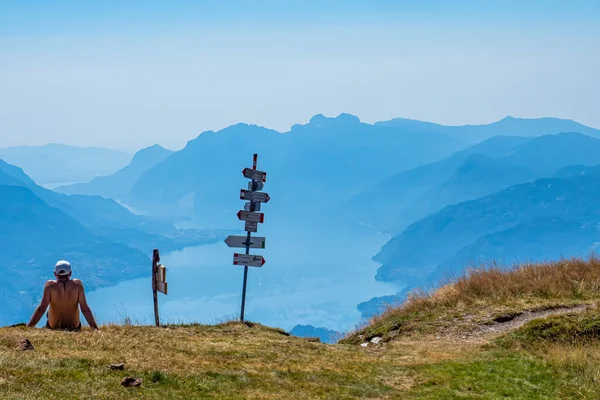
column 283, row 293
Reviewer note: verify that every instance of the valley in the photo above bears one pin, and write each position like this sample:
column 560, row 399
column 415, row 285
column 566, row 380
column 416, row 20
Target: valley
column 328, row 266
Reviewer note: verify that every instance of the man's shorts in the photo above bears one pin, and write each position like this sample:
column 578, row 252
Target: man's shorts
column 69, row 329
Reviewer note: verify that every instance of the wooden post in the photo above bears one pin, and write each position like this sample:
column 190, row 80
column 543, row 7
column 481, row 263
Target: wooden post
column 155, row 263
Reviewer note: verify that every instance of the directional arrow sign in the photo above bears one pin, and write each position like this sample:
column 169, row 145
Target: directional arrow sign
column 256, row 242
column 248, row 260
column 254, row 196
column 251, row 226
column 251, row 216
column 255, row 174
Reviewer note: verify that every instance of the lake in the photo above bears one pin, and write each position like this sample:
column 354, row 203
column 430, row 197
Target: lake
column 317, row 277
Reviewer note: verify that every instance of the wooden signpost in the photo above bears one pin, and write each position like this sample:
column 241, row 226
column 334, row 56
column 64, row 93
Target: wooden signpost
column 252, row 218
column 159, row 282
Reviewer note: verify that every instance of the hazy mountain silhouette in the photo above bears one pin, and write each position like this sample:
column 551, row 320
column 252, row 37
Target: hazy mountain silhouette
column 539, row 212
column 118, row 185
column 484, row 168
column 91, row 211
column 334, row 157
column 107, row 218
column 537, row 239
column 390, row 205
column 13, row 175
column 508, row 126
column 54, row 164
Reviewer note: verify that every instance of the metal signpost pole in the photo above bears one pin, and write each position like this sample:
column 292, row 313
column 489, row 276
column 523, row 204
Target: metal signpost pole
column 252, row 218
column 245, row 279
column 248, row 237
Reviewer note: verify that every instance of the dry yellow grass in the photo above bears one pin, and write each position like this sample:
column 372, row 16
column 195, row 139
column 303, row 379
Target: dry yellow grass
column 227, row 361
column 543, row 359
column 486, row 293
column 573, row 279
column 235, row 361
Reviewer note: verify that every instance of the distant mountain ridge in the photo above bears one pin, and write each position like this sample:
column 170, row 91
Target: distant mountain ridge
column 54, row 164
column 508, row 126
column 336, row 157
column 457, row 226
column 331, row 156
column 117, row 185
column 108, row 218
column 492, row 165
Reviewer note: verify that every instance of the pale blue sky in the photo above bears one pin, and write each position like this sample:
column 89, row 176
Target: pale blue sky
column 127, row 74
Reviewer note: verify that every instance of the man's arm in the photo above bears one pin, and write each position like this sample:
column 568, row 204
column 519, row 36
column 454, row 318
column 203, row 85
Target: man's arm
column 85, row 309
column 41, row 309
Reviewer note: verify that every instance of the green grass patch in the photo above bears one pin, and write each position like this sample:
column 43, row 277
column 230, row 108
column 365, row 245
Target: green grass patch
column 570, row 329
column 493, row 376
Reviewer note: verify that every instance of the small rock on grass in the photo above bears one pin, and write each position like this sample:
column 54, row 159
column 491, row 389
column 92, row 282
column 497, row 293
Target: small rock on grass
column 131, row 382
column 376, row 340
column 24, row 344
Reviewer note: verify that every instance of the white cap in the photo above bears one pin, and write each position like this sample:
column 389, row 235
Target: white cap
column 62, row 268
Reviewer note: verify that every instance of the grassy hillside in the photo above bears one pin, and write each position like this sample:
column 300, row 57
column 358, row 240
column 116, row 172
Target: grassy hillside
column 187, row 362
column 482, row 296
column 532, row 333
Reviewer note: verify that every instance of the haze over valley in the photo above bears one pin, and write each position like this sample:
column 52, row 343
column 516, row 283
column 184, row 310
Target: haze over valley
column 360, row 215
column 403, row 143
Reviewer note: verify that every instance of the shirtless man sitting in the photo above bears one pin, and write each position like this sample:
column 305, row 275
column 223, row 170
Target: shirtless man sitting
column 64, row 296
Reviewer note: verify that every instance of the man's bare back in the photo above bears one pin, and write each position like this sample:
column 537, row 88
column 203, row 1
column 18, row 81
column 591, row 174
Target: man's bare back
column 65, row 297
column 64, row 304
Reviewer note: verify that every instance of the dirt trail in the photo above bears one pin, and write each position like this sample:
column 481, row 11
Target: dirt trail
column 511, row 323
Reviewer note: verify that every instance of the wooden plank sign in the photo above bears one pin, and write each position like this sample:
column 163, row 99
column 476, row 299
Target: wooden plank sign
column 161, row 273
column 161, row 279
column 161, row 287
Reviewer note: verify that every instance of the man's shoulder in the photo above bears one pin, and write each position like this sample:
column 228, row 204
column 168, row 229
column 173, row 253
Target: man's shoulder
column 77, row 282
column 50, row 283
